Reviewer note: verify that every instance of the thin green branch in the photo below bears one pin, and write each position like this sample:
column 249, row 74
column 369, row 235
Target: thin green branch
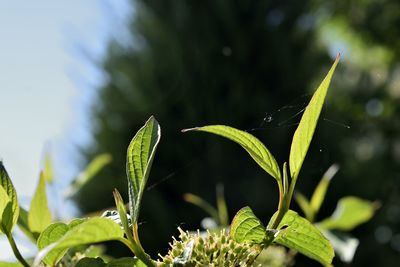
column 138, row 249
column 284, row 201
column 16, row 251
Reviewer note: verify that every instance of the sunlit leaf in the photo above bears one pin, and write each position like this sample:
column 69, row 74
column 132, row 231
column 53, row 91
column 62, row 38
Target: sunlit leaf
column 299, row 234
column 92, row 230
column 5, row 212
column 48, row 169
column 96, row 165
column 140, row 156
column 9, row 205
column 39, row 216
column 250, row 143
column 320, row 191
column 119, row 202
column 305, row 131
column 50, row 235
column 349, row 213
column 246, row 227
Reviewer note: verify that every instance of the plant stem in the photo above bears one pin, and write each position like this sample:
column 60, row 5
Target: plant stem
column 282, row 208
column 16, row 251
column 138, row 249
column 284, row 201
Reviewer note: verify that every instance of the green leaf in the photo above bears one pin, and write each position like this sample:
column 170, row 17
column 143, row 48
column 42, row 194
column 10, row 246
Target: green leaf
column 91, row 262
column 297, row 233
column 39, row 216
column 92, row 230
column 305, row 131
column 48, row 169
column 119, row 203
column 320, row 191
column 246, row 227
column 250, row 143
column 140, row 155
column 349, row 213
column 5, row 212
column 9, row 205
column 305, row 205
column 50, row 235
column 96, row 165
column 10, row 264
column 126, row 262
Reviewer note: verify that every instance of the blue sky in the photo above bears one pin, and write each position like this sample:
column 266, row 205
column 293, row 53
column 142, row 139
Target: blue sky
column 47, row 82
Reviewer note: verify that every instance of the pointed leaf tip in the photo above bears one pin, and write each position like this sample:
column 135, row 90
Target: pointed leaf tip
column 39, row 216
column 189, row 129
column 305, row 131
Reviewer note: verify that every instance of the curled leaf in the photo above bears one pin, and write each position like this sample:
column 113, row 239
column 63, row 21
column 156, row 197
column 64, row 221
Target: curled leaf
column 140, row 155
column 246, row 227
column 9, row 207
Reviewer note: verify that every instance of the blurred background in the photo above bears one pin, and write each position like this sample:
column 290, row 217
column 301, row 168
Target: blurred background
column 249, row 64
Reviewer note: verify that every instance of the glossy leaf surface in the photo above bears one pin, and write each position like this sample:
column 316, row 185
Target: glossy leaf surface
column 10, row 209
column 92, row 230
column 305, row 131
column 299, row 234
column 140, row 157
column 246, row 227
column 50, row 235
column 5, row 212
column 249, row 142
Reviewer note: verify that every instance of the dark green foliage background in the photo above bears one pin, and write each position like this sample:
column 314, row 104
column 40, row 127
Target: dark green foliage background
column 193, row 63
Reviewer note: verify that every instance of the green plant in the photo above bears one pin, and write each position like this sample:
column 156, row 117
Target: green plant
column 286, row 227
column 350, row 212
column 247, row 236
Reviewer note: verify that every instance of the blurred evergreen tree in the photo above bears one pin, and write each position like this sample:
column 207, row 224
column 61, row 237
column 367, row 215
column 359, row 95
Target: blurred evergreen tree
column 247, row 64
